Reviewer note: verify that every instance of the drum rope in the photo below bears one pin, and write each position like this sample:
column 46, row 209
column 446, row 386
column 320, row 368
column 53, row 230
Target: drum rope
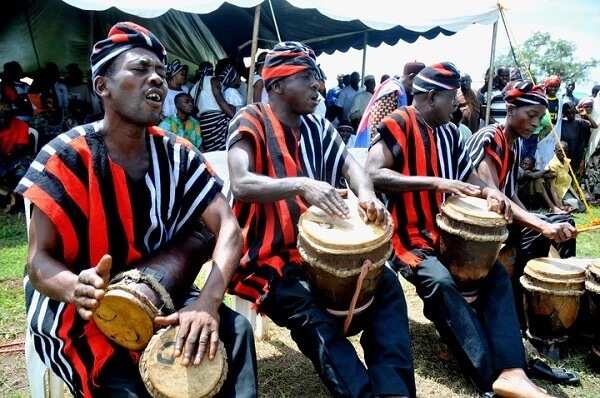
column 364, row 270
column 526, row 283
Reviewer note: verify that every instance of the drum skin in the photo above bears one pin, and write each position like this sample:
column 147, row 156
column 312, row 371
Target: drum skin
column 470, row 239
column 334, row 251
column 552, row 293
column 165, row 377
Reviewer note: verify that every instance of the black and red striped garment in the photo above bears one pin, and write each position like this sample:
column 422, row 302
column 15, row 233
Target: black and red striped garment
column 269, row 230
column 97, row 209
column 419, row 150
column 491, row 141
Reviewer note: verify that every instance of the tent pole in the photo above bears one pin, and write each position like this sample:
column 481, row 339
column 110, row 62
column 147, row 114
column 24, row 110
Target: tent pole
column 491, row 74
column 364, row 59
column 35, row 51
column 275, row 21
column 250, row 97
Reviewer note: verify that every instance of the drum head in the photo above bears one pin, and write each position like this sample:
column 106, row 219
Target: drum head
column 342, row 236
column 472, row 210
column 125, row 319
column 164, row 376
column 556, row 269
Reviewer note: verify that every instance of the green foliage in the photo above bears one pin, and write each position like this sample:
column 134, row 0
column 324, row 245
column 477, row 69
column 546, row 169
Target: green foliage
column 544, row 56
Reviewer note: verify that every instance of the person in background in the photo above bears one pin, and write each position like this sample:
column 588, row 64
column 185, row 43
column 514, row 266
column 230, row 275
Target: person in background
column 568, row 96
column 409, row 72
column 47, row 120
column 14, row 92
column 497, row 104
column 215, row 112
column 344, row 100
column 79, row 93
column 575, row 132
column 184, row 124
column 456, row 118
column 552, row 85
column 321, row 109
column 331, row 98
column 515, row 74
column 561, row 184
column 203, row 76
column 534, row 189
column 468, row 104
column 260, row 93
column 384, row 77
column 361, row 100
column 56, row 84
column 176, row 78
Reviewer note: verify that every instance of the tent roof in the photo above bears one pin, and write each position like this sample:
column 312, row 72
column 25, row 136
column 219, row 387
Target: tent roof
column 325, row 26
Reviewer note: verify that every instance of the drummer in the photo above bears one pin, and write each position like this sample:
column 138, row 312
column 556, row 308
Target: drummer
column 417, row 158
column 495, row 152
column 282, row 159
column 121, row 194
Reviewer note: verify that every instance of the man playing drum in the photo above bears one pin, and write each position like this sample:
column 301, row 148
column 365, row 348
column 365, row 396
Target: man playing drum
column 121, row 194
column 282, row 159
column 416, row 158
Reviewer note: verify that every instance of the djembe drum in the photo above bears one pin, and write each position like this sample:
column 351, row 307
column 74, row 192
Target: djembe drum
column 470, row 239
column 126, row 312
column 334, row 251
column 552, row 292
column 165, row 377
column 592, row 286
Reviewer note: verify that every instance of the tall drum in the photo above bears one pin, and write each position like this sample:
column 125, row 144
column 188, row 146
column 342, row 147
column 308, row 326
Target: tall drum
column 470, row 239
column 334, row 251
column 552, row 289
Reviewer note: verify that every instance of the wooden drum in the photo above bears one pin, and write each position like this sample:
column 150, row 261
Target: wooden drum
column 552, row 290
column 470, row 239
column 334, row 251
column 126, row 312
column 592, row 286
column 165, row 377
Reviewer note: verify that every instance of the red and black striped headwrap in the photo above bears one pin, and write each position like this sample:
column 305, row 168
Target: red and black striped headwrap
column 122, row 37
column 524, row 92
column 286, row 59
column 437, row 77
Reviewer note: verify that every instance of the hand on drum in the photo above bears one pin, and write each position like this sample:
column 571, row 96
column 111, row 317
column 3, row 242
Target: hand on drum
column 559, row 232
column 458, row 187
column 325, row 197
column 498, row 202
column 198, row 327
column 91, row 286
column 372, row 210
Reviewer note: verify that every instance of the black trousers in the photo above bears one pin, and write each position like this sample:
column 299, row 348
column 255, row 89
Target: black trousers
column 484, row 336
column 291, row 303
column 122, row 378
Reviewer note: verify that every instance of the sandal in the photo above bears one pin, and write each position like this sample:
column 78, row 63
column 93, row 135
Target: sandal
column 538, row 369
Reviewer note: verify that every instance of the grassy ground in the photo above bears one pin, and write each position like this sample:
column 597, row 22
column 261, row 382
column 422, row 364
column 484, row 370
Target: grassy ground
column 283, row 371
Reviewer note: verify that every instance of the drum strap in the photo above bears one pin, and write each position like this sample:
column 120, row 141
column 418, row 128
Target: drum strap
column 359, row 281
column 153, row 280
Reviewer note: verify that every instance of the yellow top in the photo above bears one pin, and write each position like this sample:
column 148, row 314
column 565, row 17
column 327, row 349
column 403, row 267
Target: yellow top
column 563, row 180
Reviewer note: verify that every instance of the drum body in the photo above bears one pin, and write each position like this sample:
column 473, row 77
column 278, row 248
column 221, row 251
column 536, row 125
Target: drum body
column 470, row 239
column 552, row 290
column 126, row 312
column 592, row 286
column 165, row 377
column 334, row 251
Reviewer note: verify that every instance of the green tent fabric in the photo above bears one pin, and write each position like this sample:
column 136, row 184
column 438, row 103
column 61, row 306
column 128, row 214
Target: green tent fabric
column 64, row 34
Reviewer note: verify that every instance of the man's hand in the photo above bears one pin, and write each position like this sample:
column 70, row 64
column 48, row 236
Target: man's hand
column 559, row 232
column 325, row 197
column 549, row 174
column 373, row 210
column 91, row 286
column 457, row 187
column 498, row 202
column 198, row 327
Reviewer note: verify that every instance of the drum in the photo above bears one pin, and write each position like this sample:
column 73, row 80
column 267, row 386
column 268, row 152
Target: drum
column 592, row 286
column 126, row 312
column 470, row 239
column 165, row 377
column 334, row 251
column 552, row 290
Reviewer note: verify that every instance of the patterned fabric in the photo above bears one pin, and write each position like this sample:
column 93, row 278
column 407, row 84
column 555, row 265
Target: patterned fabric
column 14, row 136
column 269, row 230
column 190, row 130
column 213, row 125
column 90, row 200
column 437, row 77
column 174, row 67
column 524, row 93
column 228, row 75
column 491, row 142
column 418, row 150
column 286, row 59
column 122, row 37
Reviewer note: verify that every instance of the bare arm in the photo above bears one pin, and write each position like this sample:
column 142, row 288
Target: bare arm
column 361, row 185
column 258, row 87
column 215, row 85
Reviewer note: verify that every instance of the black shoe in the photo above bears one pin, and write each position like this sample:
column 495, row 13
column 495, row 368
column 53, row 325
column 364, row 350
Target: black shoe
column 538, row 369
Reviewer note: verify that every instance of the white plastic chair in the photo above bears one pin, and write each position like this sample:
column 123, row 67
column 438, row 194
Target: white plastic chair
column 43, row 382
column 36, row 137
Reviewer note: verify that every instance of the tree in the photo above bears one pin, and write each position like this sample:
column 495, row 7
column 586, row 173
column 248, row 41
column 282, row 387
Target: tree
column 543, row 56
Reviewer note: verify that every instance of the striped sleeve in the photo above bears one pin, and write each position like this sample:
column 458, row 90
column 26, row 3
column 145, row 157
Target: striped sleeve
column 454, row 160
column 334, row 153
column 245, row 124
column 391, row 132
column 464, row 165
column 484, row 143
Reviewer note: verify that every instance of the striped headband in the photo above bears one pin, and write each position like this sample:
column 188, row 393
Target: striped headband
column 123, row 36
column 286, row 59
column 174, row 67
column 438, row 77
column 524, row 93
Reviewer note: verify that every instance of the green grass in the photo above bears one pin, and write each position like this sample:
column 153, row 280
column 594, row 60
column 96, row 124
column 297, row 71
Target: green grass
column 588, row 244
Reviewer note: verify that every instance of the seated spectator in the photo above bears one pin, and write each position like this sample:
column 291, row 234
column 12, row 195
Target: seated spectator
column 576, row 133
column 361, row 100
column 183, row 123
column 80, row 97
column 561, row 183
column 47, row 120
column 534, row 188
column 176, row 78
column 14, row 91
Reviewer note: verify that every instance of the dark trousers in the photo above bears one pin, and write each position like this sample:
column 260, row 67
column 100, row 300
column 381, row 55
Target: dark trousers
column 291, row 303
column 485, row 336
column 122, row 378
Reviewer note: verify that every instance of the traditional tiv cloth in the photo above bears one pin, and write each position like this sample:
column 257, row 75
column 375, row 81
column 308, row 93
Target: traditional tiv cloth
column 287, row 59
